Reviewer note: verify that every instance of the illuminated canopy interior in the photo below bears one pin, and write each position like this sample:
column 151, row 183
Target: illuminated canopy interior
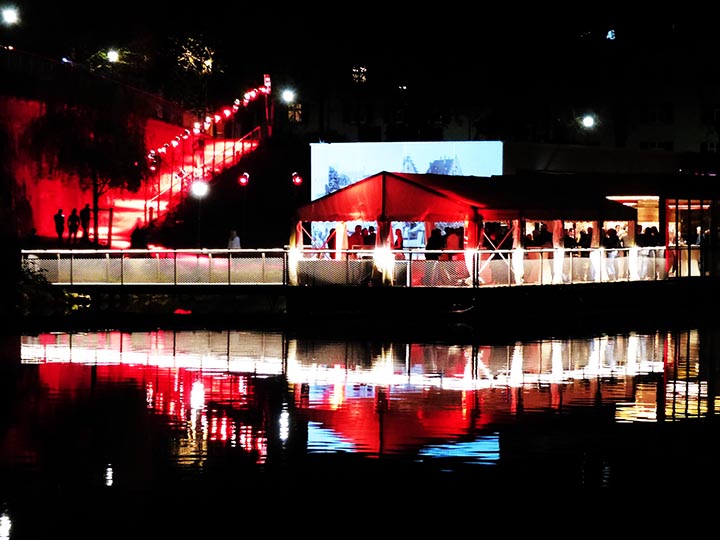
column 389, row 196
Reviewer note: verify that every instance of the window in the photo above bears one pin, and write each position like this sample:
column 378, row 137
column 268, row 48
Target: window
column 295, row 113
column 359, row 74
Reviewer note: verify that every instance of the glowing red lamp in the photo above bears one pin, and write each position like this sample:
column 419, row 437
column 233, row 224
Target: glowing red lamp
column 244, row 179
column 297, row 179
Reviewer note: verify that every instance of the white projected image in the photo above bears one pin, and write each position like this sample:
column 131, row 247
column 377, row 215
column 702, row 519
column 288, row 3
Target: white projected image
column 334, row 166
column 337, row 165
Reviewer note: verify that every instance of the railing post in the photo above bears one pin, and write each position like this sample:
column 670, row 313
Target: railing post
column 409, row 268
column 286, row 268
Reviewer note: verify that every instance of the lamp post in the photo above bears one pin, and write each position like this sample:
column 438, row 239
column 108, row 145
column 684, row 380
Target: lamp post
column 288, row 98
column 297, row 182
column 9, row 17
column 587, row 124
column 199, row 189
column 243, row 181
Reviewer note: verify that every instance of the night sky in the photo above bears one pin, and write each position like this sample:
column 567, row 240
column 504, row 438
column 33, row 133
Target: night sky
column 452, row 45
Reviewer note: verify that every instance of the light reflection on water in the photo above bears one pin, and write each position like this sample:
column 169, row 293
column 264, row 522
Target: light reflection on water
column 138, row 411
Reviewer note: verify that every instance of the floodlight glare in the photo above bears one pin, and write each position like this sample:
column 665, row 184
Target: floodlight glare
column 199, row 189
column 288, row 96
column 10, row 16
column 588, row 121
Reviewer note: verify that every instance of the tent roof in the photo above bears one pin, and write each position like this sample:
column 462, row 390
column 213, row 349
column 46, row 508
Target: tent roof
column 389, row 196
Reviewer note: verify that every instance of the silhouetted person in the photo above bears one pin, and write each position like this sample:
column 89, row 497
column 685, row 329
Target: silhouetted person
column 585, row 242
column 371, row 236
column 611, row 242
column 138, row 237
column 73, row 223
column 330, row 242
column 569, row 240
column 435, row 243
column 85, row 221
column 59, row 220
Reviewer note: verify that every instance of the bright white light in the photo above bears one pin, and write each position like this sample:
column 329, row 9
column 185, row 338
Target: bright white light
column 284, row 424
column 294, row 256
column 385, row 262
column 197, row 395
column 5, row 526
column 109, row 476
column 288, row 96
column 199, row 189
column 113, row 55
column 588, row 121
column 10, row 16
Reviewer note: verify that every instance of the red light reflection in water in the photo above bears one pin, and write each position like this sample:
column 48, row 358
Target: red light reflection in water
column 389, row 400
column 169, row 392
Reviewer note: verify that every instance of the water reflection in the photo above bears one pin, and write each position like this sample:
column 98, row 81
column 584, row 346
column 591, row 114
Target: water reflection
column 373, row 398
column 143, row 411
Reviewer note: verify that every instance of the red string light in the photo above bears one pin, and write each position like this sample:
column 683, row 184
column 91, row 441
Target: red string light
column 210, row 120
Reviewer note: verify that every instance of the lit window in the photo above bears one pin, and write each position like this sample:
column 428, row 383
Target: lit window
column 295, row 113
column 359, row 74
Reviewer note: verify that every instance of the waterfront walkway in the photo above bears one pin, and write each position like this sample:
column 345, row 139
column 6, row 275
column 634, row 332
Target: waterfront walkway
column 312, row 267
column 497, row 294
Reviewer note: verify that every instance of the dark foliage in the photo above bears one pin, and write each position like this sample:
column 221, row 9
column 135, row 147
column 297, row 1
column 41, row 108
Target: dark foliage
column 103, row 145
column 37, row 297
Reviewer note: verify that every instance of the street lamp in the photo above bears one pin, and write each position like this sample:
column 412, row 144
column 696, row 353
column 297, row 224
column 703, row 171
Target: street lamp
column 588, row 121
column 297, row 181
column 199, row 189
column 587, row 127
column 10, row 16
column 243, row 180
column 288, row 96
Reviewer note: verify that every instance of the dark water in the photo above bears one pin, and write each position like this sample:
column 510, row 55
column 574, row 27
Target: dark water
column 163, row 433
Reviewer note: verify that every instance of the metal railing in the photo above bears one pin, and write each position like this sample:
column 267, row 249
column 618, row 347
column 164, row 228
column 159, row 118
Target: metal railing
column 318, row 267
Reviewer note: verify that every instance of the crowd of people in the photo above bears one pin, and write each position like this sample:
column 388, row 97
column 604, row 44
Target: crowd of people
column 497, row 237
